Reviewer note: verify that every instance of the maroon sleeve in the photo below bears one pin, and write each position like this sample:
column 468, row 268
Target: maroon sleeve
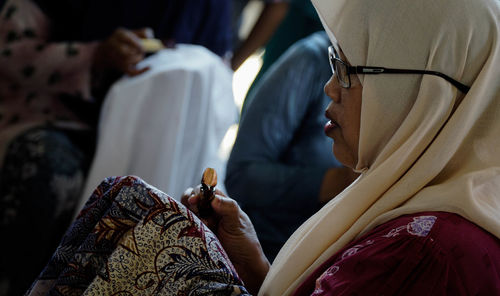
column 432, row 253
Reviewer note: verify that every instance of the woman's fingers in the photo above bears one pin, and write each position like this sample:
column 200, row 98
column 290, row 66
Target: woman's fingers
column 144, row 33
column 129, row 50
column 129, row 54
column 225, row 206
column 185, row 196
column 190, row 199
column 129, row 39
column 218, row 192
column 133, row 71
column 123, row 51
column 127, row 62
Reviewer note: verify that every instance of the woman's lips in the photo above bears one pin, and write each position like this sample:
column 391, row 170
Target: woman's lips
column 330, row 125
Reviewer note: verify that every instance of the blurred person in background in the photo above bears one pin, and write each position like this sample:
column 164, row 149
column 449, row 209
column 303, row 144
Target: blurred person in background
column 423, row 217
column 299, row 22
column 281, row 158
column 58, row 59
column 269, row 19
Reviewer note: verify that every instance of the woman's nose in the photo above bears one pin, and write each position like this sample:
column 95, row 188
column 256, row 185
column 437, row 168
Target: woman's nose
column 332, row 89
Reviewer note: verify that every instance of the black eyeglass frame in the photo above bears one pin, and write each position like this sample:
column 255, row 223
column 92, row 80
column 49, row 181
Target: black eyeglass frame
column 334, row 58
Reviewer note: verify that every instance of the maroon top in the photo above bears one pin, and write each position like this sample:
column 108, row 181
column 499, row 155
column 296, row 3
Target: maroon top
column 431, row 253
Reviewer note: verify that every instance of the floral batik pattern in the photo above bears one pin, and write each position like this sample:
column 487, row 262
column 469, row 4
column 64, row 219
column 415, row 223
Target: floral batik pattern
column 132, row 239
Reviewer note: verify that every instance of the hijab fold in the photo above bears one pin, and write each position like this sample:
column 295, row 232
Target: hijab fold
column 424, row 146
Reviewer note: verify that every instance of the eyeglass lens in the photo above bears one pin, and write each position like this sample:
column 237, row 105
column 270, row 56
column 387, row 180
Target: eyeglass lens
column 341, row 70
column 338, row 67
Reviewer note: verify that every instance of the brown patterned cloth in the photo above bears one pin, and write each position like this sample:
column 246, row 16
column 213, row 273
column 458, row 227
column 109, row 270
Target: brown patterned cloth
column 132, row 239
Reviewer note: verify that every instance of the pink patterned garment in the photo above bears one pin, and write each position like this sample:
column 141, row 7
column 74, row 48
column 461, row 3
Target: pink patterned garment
column 35, row 72
column 431, row 253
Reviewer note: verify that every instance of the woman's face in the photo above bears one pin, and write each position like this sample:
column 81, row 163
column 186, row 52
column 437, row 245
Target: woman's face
column 344, row 113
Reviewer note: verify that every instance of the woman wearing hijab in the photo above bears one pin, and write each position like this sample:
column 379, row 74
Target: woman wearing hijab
column 57, row 59
column 423, row 218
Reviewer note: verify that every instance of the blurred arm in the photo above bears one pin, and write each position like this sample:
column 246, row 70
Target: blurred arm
column 275, row 113
column 268, row 21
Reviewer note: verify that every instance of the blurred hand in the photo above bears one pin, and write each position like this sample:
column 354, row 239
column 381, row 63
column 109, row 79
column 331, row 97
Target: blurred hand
column 122, row 51
column 237, row 235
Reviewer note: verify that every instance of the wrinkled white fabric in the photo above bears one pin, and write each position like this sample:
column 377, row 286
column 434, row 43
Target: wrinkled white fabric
column 423, row 144
column 166, row 124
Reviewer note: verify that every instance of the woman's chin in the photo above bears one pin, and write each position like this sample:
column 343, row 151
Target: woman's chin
column 344, row 156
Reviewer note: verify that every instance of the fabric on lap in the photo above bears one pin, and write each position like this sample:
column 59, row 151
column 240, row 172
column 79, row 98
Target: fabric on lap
column 130, row 237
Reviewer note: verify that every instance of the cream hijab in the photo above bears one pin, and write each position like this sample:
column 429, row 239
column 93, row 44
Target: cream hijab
column 423, row 144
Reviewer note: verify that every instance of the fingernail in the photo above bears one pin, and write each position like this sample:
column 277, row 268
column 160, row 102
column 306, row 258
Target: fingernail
column 190, row 200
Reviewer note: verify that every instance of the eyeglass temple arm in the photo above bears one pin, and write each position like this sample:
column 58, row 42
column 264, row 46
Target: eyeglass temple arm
column 378, row 70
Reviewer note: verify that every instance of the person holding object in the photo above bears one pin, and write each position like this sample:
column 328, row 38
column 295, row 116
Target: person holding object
column 48, row 115
column 58, row 59
column 423, row 218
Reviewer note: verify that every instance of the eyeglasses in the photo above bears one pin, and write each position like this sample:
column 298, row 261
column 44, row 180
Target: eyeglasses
column 344, row 71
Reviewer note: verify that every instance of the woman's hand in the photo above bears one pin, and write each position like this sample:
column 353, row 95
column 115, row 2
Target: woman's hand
column 122, row 51
column 236, row 234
